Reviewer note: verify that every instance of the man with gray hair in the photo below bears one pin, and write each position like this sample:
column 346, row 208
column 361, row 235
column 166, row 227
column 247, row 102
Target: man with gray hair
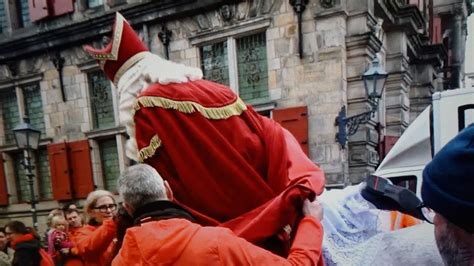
column 165, row 233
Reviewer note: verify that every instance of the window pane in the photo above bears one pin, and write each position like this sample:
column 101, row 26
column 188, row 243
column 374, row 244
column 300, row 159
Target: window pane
column 21, row 179
column 24, row 13
column 252, row 67
column 101, row 101
column 3, row 21
column 110, row 163
column 10, row 114
column 44, row 179
column 214, row 62
column 34, row 107
column 94, row 3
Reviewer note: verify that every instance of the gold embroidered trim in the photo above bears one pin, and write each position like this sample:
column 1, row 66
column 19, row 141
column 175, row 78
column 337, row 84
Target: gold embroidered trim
column 149, row 151
column 113, row 55
column 287, row 229
column 188, row 107
column 128, row 64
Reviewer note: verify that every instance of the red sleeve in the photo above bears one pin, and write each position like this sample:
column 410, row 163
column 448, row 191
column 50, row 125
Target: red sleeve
column 93, row 244
column 301, row 166
column 306, row 248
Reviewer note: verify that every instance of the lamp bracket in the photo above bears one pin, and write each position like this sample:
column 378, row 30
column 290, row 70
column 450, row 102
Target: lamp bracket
column 165, row 37
column 348, row 126
column 354, row 122
column 299, row 6
column 58, row 62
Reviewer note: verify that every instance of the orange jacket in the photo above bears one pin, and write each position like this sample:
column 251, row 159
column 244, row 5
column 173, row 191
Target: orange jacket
column 74, row 260
column 181, row 242
column 95, row 243
column 400, row 220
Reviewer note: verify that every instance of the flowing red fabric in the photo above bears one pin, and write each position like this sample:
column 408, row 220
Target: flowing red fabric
column 244, row 172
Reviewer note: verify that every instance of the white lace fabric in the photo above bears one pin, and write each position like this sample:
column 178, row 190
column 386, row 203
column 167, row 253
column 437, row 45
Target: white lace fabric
column 356, row 233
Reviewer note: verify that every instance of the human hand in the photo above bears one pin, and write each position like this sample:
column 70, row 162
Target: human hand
column 65, row 251
column 313, row 208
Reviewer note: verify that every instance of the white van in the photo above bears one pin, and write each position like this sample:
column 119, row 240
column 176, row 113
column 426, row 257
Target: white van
column 450, row 112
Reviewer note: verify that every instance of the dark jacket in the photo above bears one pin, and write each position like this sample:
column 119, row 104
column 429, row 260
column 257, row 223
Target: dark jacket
column 26, row 251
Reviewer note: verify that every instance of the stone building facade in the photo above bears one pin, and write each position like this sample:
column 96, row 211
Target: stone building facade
column 299, row 75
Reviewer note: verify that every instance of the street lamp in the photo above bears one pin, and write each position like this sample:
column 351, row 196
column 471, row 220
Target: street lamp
column 374, row 82
column 27, row 139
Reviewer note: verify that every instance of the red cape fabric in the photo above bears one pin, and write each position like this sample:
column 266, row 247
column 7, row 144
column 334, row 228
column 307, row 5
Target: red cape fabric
column 244, row 172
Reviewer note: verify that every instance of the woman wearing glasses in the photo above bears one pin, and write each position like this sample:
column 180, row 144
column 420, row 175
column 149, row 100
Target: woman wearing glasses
column 95, row 241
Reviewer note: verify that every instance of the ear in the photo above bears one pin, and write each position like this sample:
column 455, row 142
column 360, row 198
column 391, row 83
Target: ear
column 169, row 192
column 129, row 209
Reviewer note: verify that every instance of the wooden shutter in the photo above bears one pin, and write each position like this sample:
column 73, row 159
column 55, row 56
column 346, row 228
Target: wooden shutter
column 3, row 184
column 388, row 143
column 38, row 9
column 436, row 34
column 294, row 120
column 58, row 163
column 61, row 7
column 81, row 168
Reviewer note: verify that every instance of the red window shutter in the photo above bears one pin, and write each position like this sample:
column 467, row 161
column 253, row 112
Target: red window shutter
column 436, row 36
column 38, row 9
column 81, row 168
column 388, row 143
column 294, row 120
column 61, row 7
column 3, row 184
column 58, row 163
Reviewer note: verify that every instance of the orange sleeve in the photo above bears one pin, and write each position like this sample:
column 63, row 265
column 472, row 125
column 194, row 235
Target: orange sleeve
column 93, row 244
column 129, row 254
column 306, row 248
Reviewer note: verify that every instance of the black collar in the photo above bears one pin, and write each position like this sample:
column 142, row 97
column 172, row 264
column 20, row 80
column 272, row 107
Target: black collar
column 159, row 210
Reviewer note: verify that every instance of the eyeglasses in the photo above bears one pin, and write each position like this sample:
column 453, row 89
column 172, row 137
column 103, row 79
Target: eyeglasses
column 427, row 213
column 104, row 208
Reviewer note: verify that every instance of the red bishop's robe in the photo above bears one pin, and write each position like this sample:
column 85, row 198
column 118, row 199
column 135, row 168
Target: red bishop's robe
column 224, row 162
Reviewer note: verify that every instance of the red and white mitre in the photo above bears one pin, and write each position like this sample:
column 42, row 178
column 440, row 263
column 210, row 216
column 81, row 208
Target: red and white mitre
column 123, row 52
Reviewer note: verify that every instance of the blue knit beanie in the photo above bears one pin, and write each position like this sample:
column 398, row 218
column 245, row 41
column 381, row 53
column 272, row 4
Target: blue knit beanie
column 448, row 181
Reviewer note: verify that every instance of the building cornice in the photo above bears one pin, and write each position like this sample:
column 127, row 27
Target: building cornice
column 363, row 41
column 433, row 54
column 39, row 39
column 401, row 16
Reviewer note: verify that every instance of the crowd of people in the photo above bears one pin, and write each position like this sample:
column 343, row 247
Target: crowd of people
column 146, row 222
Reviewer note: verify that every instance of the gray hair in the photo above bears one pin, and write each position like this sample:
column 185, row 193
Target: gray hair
column 141, row 184
column 92, row 200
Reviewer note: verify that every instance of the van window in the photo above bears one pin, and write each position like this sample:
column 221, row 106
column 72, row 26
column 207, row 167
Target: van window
column 465, row 115
column 409, row 182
